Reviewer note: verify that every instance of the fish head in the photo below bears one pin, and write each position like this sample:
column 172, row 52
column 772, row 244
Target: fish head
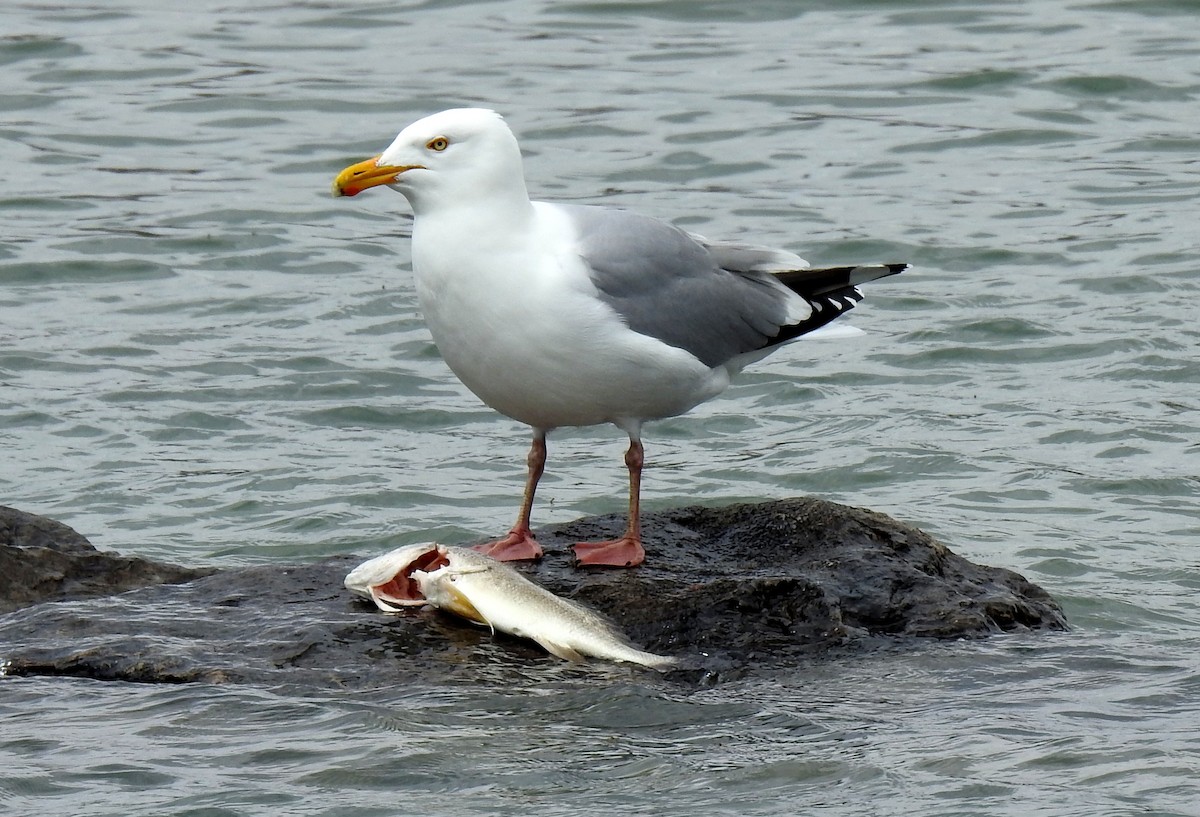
column 442, row 588
column 388, row 580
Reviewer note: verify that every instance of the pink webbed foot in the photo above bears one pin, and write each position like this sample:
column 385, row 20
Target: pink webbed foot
column 624, row 552
column 518, row 546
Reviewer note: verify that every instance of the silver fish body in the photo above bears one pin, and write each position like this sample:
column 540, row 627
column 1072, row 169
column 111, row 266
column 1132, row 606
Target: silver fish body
column 492, row 594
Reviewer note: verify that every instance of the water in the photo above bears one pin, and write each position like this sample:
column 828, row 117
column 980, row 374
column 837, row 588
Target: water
column 206, row 359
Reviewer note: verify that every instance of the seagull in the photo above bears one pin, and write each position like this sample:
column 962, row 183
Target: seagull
column 570, row 315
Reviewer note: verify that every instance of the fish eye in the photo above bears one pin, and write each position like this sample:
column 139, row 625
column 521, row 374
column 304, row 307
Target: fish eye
column 438, row 144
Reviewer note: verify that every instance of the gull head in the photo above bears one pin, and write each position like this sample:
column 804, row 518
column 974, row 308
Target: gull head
column 459, row 155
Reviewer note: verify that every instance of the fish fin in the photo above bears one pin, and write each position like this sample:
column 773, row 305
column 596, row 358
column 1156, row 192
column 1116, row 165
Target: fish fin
column 457, row 603
column 563, row 651
column 662, row 663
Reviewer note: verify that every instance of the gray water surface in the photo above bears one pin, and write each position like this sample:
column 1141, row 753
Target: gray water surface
column 205, row 358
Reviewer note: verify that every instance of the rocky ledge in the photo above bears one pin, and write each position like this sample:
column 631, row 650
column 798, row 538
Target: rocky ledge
column 749, row 587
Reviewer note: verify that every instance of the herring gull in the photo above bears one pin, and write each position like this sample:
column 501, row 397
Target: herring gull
column 568, row 315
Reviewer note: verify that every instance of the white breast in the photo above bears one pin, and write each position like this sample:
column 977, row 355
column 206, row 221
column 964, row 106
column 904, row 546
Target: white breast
column 527, row 334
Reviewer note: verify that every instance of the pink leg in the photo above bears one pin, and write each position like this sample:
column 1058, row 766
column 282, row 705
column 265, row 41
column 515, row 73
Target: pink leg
column 626, row 551
column 520, row 544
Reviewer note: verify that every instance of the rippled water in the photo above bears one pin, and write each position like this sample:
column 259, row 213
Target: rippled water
column 204, row 358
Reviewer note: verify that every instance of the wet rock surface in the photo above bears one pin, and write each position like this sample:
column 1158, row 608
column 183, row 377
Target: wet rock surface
column 45, row 560
column 736, row 589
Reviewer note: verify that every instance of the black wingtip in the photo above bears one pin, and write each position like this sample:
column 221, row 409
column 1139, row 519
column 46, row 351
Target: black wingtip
column 811, row 282
column 865, row 273
column 831, row 292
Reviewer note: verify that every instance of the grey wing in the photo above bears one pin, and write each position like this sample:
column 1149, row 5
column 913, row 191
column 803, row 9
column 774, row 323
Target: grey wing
column 739, row 257
column 665, row 284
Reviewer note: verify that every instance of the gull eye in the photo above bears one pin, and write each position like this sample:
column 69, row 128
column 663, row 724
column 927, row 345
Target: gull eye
column 438, row 144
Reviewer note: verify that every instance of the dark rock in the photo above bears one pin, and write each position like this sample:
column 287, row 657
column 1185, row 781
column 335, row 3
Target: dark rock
column 741, row 588
column 44, row 560
column 802, row 575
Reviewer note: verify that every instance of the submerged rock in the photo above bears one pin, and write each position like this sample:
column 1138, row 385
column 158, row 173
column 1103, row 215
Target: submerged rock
column 45, row 560
column 736, row 589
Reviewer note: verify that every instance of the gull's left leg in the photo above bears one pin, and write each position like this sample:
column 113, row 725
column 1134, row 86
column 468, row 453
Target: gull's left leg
column 627, row 550
column 519, row 543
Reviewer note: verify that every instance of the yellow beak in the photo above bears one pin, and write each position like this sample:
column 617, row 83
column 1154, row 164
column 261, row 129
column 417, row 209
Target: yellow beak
column 369, row 173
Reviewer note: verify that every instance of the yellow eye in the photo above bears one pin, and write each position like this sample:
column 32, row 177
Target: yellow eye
column 439, row 144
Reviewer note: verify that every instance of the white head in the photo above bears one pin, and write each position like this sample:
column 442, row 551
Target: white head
column 458, row 156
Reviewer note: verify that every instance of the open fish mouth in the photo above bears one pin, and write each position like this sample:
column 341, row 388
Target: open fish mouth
column 388, row 580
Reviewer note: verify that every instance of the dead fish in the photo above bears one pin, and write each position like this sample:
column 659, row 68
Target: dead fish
column 487, row 592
